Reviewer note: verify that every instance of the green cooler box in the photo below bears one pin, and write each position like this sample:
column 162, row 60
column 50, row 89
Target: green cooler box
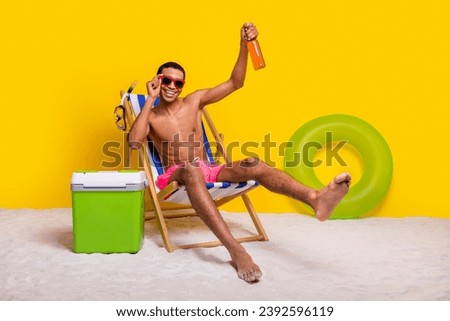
column 108, row 211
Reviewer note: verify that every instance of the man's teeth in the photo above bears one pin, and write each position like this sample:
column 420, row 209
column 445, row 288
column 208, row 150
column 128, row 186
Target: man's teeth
column 169, row 92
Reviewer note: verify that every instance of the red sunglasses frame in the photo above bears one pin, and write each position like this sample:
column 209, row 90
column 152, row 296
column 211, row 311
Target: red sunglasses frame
column 179, row 83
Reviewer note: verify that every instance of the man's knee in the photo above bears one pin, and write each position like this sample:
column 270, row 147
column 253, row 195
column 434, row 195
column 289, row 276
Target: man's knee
column 251, row 162
column 253, row 166
column 189, row 174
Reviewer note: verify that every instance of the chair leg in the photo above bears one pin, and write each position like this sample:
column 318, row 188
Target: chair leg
column 162, row 226
column 259, row 227
column 156, row 206
column 218, row 243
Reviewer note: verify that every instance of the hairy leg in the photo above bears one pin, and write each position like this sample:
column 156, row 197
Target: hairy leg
column 323, row 202
column 192, row 177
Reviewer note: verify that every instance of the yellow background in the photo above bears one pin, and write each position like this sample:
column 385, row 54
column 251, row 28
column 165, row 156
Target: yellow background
column 387, row 62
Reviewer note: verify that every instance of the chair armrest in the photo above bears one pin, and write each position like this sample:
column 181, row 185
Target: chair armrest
column 171, row 188
column 219, row 148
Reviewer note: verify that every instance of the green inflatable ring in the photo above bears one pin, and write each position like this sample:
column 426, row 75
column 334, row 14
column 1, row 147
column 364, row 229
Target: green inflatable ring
column 375, row 153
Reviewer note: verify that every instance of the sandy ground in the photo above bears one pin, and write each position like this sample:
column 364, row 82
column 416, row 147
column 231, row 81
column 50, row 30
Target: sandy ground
column 366, row 259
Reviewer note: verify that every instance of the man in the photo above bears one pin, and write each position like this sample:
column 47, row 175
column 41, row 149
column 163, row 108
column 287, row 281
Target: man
column 175, row 128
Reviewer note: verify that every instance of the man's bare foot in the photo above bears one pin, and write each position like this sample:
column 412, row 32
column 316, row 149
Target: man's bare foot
column 247, row 270
column 329, row 197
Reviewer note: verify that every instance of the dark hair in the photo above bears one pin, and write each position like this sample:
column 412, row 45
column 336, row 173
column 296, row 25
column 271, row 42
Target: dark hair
column 173, row 65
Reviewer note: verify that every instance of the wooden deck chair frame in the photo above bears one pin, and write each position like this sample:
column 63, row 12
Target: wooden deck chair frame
column 161, row 214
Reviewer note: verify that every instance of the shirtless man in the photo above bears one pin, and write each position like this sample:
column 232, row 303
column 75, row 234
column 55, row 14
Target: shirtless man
column 175, row 128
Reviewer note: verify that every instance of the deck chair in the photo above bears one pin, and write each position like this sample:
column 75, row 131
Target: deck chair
column 221, row 192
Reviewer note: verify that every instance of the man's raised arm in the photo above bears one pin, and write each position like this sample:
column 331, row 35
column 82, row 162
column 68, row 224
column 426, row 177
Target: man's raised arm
column 141, row 126
column 237, row 78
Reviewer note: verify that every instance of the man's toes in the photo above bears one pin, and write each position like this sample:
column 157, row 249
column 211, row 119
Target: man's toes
column 250, row 276
column 246, row 276
column 343, row 177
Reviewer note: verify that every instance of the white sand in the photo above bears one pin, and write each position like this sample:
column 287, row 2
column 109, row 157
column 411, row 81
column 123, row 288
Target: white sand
column 367, row 259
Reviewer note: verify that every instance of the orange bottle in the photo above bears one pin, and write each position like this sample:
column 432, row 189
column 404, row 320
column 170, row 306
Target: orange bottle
column 256, row 54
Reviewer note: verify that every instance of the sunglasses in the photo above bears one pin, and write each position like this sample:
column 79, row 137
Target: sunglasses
column 167, row 80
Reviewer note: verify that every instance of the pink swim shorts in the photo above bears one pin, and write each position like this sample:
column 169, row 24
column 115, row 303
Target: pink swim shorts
column 210, row 172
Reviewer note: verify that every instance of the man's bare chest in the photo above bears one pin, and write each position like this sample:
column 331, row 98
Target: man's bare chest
column 181, row 126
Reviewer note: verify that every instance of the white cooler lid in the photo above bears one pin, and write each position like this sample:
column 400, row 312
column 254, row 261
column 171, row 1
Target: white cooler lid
column 109, row 180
